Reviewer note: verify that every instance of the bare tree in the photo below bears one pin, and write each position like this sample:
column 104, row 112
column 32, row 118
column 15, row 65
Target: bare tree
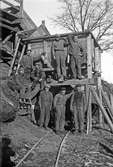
column 89, row 15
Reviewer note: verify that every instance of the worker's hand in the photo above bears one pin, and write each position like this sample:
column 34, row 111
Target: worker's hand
column 40, row 79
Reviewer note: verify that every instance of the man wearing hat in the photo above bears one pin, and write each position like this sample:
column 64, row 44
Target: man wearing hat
column 59, row 54
column 59, row 104
column 78, row 107
column 37, row 75
column 27, row 60
column 45, row 103
column 75, row 53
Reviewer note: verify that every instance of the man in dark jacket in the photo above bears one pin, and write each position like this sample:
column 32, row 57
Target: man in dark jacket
column 38, row 76
column 75, row 53
column 45, row 102
column 78, row 106
column 59, row 104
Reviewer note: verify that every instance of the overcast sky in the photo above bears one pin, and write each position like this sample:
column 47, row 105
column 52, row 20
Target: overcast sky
column 40, row 10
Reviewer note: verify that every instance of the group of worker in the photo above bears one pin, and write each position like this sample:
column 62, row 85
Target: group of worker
column 57, row 104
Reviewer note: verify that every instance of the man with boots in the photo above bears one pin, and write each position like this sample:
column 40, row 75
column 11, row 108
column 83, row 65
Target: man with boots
column 59, row 54
column 75, row 53
column 78, row 107
column 59, row 105
column 45, row 103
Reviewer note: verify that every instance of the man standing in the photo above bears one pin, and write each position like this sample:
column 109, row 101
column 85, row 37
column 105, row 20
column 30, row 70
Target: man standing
column 75, row 53
column 45, row 102
column 38, row 76
column 58, row 50
column 27, row 60
column 59, row 104
column 78, row 106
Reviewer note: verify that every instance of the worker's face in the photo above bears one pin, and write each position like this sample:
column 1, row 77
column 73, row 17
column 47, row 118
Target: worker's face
column 21, row 70
column 47, row 89
column 63, row 92
column 80, row 88
column 28, row 52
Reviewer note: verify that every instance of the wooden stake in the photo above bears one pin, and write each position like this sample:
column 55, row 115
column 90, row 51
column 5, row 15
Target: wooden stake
column 6, row 39
column 102, row 108
column 14, row 57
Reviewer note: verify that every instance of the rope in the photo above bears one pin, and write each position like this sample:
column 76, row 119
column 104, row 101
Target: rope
column 60, row 148
column 26, row 155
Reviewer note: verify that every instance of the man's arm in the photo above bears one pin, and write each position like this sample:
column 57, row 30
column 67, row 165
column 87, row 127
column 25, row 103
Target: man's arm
column 55, row 100
column 71, row 103
column 69, row 95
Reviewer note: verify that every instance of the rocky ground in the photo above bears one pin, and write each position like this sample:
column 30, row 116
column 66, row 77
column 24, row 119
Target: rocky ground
column 78, row 150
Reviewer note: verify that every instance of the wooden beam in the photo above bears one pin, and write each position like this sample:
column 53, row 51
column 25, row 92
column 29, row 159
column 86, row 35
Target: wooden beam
column 7, row 38
column 10, row 22
column 102, row 108
column 8, row 13
column 89, row 113
column 9, row 27
column 89, row 56
column 10, row 4
column 72, row 82
column 22, row 53
column 14, row 57
column 108, row 103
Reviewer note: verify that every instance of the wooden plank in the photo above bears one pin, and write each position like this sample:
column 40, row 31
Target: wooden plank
column 14, row 57
column 89, row 56
column 10, row 22
column 10, row 4
column 102, row 108
column 72, row 82
column 10, row 14
column 22, row 53
column 111, row 99
column 9, row 27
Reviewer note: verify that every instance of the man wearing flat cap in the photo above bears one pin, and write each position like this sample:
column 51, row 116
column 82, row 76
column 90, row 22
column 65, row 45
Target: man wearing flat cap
column 27, row 60
column 75, row 53
column 45, row 103
column 60, row 56
column 78, row 107
column 59, row 104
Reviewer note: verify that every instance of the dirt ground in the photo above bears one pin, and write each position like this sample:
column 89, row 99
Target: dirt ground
column 78, row 150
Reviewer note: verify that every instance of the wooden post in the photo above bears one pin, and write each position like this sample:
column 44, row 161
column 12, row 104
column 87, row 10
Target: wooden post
column 102, row 108
column 21, row 8
column 89, row 56
column 108, row 103
column 14, row 57
column 99, row 84
column 89, row 113
column 89, row 74
column 111, row 99
column 22, row 53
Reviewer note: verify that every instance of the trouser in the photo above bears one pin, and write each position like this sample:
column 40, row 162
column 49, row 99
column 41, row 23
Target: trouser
column 61, row 66
column 76, row 66
column 60, row 117
column 45, row 115
column 78, row 117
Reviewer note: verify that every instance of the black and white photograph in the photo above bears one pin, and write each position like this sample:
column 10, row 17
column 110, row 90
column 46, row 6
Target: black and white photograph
column 56, row 83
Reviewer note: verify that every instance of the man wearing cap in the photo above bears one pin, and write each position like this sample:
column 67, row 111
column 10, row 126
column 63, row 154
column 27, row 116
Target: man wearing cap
column 59, row 54
column 27, row 60
column 78, row 107
column 59, row 104
column 75, row 53
column 37, row 75
column 45, row 103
